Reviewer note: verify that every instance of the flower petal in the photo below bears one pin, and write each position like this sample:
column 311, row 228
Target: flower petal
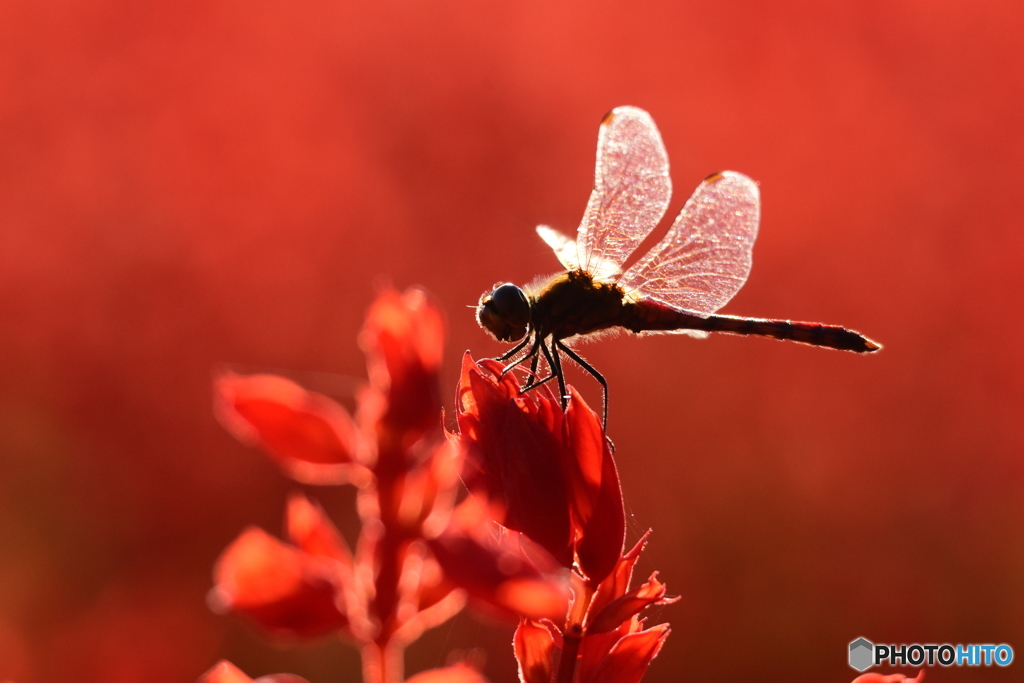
column 312, row 531
column 594, row 650
column 598, row 511
column 514, row 455
column 284, row 590
column 551, row 469
column 629, row 605
column 629, row 658
column 617, row 583
column 310, row 436
column 503, row 573
column 403, row 338
column 534, row 648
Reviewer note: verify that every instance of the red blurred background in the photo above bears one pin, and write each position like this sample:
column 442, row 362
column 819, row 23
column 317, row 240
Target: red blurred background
column 187, row 186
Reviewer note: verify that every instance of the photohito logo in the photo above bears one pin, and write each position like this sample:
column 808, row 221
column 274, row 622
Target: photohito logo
column 864, row 654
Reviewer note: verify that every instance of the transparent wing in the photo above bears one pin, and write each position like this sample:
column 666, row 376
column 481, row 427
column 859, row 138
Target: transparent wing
column 563, row 246
column 706, row 256
column 631, row 191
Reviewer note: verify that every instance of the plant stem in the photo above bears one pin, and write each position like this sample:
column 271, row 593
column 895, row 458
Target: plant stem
column 571, row 641
column 382, row 663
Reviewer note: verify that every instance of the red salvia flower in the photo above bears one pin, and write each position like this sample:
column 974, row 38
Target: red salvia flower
column 554, row 563
column 551, row 469
column 311, row 437
column 602, row 641
column 391, row 588
column 288, row 589
column 551, row 472
column 403, row 339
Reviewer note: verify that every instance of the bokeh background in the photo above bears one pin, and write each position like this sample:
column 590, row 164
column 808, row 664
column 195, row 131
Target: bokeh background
column 189, row 186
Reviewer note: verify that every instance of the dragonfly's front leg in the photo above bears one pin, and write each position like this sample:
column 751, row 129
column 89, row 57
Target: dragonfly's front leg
column 516, row 363
column 515, row 349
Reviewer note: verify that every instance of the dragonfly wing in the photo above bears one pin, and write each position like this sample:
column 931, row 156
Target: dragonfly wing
column 706, row 256
column 563, row 246
column 631, row 191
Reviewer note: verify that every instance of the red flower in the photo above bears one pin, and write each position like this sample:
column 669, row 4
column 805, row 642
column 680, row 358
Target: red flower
column 550, row 469
column 552, row 474
column 391, row 589
column 534, row 645
column 288, row 589
column 503, row 572
column 403, row 340
column 544, row 472
column 310, row 436
column 605, row 641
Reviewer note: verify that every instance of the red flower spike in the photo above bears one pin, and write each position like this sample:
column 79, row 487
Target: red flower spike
column 459, row 673
column 312, row 531
column 310, row 436
column 550, row 469
column 284, row 590
column 889, row 678
column 403, row 339
column 629, row 658
column 534, row 647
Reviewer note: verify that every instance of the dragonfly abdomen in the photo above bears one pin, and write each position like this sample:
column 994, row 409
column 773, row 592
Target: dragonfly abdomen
column 649, row 316
column 816, row 334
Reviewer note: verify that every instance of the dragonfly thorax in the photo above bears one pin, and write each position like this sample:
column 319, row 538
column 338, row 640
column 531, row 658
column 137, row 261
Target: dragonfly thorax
column 505, row 312
column 574, row 303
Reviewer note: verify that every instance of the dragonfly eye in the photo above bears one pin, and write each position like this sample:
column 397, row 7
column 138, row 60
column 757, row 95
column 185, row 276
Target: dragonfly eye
column 505, row 313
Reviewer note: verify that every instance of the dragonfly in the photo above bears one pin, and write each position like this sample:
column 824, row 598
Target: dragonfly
column 676, row 287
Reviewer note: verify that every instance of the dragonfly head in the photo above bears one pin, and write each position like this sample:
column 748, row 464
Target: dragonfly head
column 505, row 313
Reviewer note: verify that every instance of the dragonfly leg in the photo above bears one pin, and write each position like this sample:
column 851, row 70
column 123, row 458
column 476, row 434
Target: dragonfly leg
column 594, row 373
column 532, row 353
column 555, row 363
column 515, row 349
column 536, row 384
column 531, row 381
column 532, row 386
